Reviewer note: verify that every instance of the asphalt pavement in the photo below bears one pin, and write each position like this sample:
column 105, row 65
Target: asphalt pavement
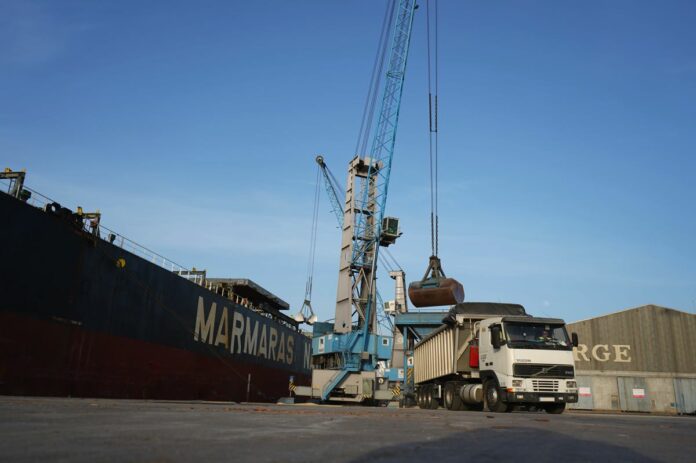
column 53, row 429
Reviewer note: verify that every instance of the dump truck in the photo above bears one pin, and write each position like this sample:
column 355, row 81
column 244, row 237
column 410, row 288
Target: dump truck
column 496, row 356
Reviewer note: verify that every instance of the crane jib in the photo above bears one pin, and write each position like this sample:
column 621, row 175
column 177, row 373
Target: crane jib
column 374, row 190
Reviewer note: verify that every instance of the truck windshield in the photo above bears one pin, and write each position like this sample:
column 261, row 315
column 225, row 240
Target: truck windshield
column 537, row 336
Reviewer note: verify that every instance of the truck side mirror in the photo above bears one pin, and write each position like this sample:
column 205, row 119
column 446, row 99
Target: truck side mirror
column 495, row 336
column 574, row 339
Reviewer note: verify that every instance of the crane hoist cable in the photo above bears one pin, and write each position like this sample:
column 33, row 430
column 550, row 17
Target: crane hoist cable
column 435, row 288
column 433, row 80
column 306, row 313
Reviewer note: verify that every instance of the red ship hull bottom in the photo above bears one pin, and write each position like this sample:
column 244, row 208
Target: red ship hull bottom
column 58, row 358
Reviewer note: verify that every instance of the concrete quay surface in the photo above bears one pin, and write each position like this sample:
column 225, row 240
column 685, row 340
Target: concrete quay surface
column 56, row 429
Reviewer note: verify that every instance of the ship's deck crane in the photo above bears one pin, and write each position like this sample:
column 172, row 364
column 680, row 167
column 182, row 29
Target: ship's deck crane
column 347, row 355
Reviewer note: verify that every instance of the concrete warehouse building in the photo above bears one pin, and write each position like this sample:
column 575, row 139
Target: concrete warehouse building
column 641, row 360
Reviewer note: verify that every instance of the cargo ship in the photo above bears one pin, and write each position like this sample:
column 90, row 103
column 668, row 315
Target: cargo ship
column 85, row 312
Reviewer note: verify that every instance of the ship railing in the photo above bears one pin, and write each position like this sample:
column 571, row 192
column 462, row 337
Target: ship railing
column 158, row 259
column 40, row 201
column 36, row 199
column 151, row 256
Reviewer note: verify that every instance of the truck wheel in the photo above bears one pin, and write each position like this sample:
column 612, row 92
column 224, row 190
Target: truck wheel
column 423, row 394
column 492, row 397
column 449, row 396
column 420, row 398
column 430, row 402
column 554, row 409
column 452, row 399
column 433, row 401
column 427, row 396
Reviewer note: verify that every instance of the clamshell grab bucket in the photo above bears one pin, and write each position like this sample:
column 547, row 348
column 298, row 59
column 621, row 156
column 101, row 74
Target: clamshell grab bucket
column 435, row 289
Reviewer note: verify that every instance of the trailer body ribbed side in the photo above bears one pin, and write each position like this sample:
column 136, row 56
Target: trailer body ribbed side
column 435, row 356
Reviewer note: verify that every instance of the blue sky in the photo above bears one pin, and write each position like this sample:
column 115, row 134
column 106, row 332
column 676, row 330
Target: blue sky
column 567, row 138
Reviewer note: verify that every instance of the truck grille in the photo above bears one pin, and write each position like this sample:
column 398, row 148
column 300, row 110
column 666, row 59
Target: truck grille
column 545, row 385
column 537, row 370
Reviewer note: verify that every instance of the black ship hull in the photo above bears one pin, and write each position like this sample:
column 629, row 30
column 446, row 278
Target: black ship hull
column 82, row 317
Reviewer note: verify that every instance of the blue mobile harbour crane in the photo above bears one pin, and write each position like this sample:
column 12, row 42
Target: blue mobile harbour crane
column 390, row 371
column 348, row 354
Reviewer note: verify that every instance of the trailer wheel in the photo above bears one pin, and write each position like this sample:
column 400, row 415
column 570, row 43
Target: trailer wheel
column 449, row 396
column 492, row 397
column 427, row 396
column 430, row 402
column 452, row 399
column 433, row 402
column 554, row 409
column 421, row 397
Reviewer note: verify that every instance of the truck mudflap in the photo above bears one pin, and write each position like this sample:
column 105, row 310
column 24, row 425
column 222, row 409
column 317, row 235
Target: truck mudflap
column 537, row 397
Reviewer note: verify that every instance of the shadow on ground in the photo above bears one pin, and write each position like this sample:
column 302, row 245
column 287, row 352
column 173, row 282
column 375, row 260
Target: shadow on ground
column 509, row 444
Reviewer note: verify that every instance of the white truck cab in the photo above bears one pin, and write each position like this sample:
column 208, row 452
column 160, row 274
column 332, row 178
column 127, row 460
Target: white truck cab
column 526, row 360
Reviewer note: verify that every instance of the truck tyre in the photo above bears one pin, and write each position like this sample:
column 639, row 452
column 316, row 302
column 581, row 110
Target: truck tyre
column 452, row 399
column 427, row 396
column 492, row 397
column 449, row 396
column 433, row 401
column 554, row 409
column 430, row 402
column 423, row 394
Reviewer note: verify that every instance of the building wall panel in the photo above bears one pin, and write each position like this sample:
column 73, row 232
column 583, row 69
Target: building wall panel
column 661, row 395
column 649, row 338
column 685, row 395
column 605, row 393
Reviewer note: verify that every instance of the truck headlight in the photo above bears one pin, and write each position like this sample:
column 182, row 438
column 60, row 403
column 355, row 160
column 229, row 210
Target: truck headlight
column 517, row 382
column 571, row 384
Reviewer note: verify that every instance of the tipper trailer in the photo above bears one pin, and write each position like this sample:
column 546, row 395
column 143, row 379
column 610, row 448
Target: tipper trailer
column 497, row 356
